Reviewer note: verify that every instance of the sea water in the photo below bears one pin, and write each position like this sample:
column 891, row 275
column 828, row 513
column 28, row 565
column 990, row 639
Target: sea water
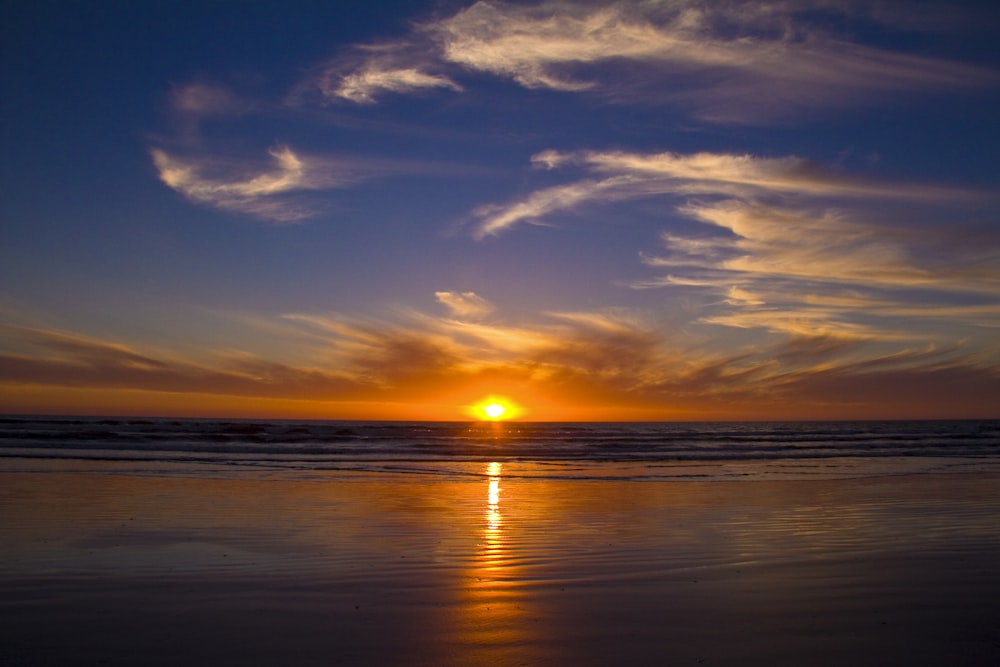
column 638, row 450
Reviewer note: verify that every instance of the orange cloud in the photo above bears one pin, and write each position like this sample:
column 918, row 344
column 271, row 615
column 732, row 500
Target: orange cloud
column 572, row 366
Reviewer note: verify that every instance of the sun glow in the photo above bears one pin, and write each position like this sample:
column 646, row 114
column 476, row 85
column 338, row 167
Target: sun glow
column 494, row 408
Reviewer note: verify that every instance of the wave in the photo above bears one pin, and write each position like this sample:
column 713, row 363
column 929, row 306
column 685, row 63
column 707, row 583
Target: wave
column 315, row 442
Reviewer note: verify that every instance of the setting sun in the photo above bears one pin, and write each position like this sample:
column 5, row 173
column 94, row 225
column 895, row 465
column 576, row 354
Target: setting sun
column 494, row 408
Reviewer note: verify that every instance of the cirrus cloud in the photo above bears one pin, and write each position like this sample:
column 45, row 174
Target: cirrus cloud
column 784, row 245
column 723, row 61
column 465, row 304
column 375, row 70
column 265, row 194
column 601, row 363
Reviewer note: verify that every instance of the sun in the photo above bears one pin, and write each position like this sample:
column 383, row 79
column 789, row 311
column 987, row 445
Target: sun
column 494, row 408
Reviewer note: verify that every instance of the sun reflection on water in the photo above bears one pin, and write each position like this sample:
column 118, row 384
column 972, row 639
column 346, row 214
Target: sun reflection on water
column 494, row 616
column 493, row 517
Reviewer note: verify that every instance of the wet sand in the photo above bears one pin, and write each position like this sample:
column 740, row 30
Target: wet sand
column 497, row 569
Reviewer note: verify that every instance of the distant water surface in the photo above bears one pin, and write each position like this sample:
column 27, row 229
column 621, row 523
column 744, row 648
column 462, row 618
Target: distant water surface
column 786, row 450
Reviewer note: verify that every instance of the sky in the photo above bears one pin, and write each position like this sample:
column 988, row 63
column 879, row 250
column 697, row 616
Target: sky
column 650, row 210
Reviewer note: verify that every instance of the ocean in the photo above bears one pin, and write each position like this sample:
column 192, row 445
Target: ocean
column 651, row 451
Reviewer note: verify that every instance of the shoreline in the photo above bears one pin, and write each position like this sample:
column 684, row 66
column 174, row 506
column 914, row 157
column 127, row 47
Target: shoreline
column 633, row 470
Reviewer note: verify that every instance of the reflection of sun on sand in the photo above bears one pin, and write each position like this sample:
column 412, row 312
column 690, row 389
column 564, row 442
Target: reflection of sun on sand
column 493, row 500
column 494, row 617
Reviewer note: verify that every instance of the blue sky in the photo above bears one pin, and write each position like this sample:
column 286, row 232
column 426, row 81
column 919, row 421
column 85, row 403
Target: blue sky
column 634, row 210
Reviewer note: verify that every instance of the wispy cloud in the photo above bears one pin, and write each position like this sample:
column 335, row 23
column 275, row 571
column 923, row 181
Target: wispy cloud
column 623, row 358
column 372, row 71
column 632, row 175
column 819, row 257
column 594, row 361
column 465, row 304
column 193, row 105
column 779, row 242
column 362, row 86
column 726, row 173
column 725, row 61
column 203, row 99
column 496, row 218
column 67, row 359
column 224, row 184
column 785, row 245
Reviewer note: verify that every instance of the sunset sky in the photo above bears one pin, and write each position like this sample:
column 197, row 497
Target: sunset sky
column 394, row 210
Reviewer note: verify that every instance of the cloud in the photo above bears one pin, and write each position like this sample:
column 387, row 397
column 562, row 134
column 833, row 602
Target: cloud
column 724, row 173
column 363, row 85
column 266, row 194
column 623, row 359
column 778, row 242
column 194, row 105
column 497, row 218
column 596, row 361
column 724, row 61
column 366, row 72
column 376, row 70
column 959, row 388
column 597, row 343
column 73, row 360
column 629, row 175
column 202, row 99
column 804, row 271
column 783, row 245
column 728, row 61
column 527, row 43
column 66, row 359
column 824, row 246
column 465, row 304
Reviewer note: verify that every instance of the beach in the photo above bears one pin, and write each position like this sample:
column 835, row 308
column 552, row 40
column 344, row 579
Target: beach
column 502, row 566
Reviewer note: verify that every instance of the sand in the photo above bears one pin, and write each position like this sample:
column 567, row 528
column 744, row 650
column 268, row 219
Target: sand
column 499, row 569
